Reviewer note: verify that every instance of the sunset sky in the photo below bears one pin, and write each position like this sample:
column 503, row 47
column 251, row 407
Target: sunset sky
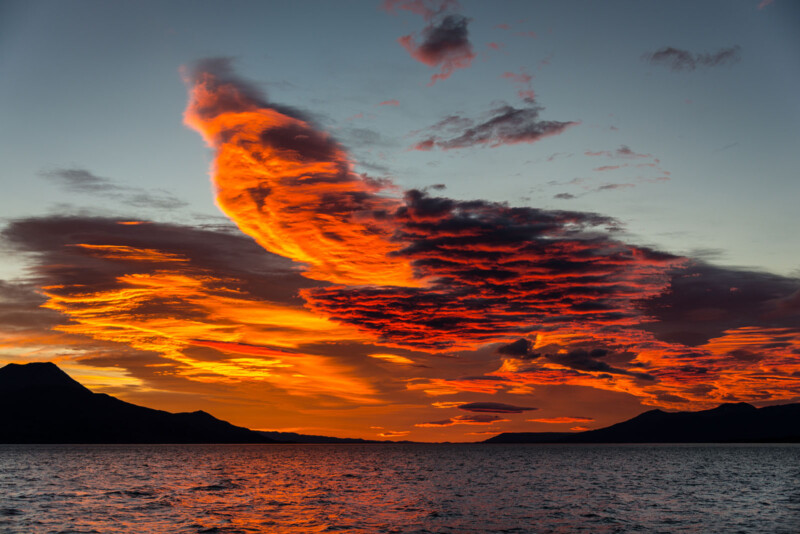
column 410, row 219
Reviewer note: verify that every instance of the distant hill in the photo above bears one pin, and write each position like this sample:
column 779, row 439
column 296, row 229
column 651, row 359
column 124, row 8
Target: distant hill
column 727, row 423
column 40, row 403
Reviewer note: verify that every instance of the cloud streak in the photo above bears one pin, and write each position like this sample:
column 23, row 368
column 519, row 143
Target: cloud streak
column 464, row 420
column 505, row 125
column 82, row 181
column 493, row 407
column 677, row 59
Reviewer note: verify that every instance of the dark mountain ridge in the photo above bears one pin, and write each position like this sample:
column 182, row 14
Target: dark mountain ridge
column 727, row 423
column 40, row 403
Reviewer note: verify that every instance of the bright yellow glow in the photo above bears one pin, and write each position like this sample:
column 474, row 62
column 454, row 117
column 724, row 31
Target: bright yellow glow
column 394, row 358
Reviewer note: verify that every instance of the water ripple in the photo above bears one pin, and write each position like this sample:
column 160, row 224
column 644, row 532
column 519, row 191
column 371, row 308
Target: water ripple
column 399, row 488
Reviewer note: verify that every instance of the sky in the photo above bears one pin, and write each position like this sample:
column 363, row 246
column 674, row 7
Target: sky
column 405, row 219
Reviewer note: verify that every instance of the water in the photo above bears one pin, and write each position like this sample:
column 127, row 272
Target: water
column 400, row 488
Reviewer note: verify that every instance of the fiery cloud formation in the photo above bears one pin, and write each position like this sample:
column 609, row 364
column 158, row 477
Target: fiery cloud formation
column 290, row 186
column 354, row 297
column 184, row 297
column 586, row 308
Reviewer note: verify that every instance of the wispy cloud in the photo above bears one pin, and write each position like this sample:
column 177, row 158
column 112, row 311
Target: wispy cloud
column 677, row 59
column 76, row 180
column 561, row 420
column 464, row 420
column 505, row 125
column 623, row 151
column 493, row 407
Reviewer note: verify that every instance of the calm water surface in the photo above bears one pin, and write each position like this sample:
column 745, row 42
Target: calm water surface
column 400, row 488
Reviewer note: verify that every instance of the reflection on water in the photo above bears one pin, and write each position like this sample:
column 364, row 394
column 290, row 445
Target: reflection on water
column 399, row 488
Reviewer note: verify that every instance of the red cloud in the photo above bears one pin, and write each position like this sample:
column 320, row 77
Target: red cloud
column 496, row 271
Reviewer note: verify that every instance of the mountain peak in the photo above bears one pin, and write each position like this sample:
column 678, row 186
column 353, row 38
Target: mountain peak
column 19, row 376
column 40, row 403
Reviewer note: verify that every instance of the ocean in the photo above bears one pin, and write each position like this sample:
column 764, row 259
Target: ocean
column 455, row 488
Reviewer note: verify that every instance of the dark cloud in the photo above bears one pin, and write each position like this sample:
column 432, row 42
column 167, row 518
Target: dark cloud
column 520, row 348
column 506, row 125
column 612, row 187
column 594, row 360
column 677, row 59
column 230, row 92
column 564, row 196
column 671, row 398
column 494, row 407
column 452, row 123
column 589, row 361
column 21, row 309
column 303, row 143
column 82, row 181
column 702, row 301
column 445, row 40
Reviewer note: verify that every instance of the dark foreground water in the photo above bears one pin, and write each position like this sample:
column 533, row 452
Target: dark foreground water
column 400, row 488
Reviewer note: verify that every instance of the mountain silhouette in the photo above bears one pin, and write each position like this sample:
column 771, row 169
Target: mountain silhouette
column 40, row 403
column 727, row 423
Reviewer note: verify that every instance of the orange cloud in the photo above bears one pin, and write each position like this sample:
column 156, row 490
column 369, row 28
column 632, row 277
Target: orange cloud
column 291, row 187
column 561, row 420
column 188, row 296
